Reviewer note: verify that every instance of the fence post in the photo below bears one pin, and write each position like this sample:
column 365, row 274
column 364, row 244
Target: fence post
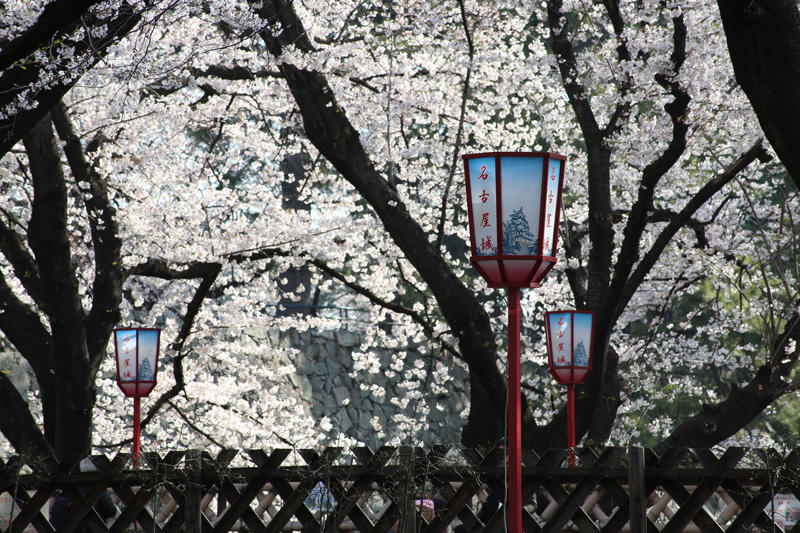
column 636, row 490
column 191, row 503
column 406, row 458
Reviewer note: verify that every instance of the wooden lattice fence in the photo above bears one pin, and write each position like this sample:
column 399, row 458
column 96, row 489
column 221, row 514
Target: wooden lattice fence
column 612, row 489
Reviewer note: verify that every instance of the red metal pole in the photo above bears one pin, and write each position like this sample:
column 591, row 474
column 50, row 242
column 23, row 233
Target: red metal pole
column 514, row 415
column 136, row 430
column 571, row 424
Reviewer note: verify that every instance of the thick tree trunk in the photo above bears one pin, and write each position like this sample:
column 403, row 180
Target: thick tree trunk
column 74, row 394
column 764, row 45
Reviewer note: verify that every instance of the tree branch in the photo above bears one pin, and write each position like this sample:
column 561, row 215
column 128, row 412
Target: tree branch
column 764, row 44
column 59, row 16
column 18, row 425
column 757, row 151
column 49, row 239
column 328, row 128
column 107, row 285
column 16, row 81
column 653, row 172
column 25, row 268
column 460, row 131
column 208, row 273
column 722, row 420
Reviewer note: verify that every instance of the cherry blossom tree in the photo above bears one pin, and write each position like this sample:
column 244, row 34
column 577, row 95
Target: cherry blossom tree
column 244, row 151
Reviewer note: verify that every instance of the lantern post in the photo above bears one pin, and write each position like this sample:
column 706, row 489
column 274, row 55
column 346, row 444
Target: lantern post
column 570, row 347
column 136, row 351
column 514, row 201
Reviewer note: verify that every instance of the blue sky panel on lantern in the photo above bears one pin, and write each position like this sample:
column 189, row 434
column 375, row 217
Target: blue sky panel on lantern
column 148, row 348
column 483, row 189
column 582, row 333
column 521, row 200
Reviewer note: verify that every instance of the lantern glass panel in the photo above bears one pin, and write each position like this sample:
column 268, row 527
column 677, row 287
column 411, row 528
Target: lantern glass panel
column 551, row 206
column 148, row 352
column 582, row 334
column 521, row 201
column 126, row 354
column 560, row 339
column 483, row 201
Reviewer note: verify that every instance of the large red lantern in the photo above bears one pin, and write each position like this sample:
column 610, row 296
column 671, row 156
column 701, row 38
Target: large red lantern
column 514, row 201
column 136, row 352
column 570, row 346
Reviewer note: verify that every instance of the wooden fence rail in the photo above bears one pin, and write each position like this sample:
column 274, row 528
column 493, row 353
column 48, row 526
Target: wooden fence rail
column 611, row 489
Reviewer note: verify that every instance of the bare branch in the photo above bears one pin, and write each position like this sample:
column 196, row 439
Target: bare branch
column 757, row 151
column 653, row 172
column 460, row 131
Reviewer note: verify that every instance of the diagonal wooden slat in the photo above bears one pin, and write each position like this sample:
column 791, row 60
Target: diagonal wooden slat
column 86, row 498
column 691, row 506
column 29, row 508
column 687, row 475
column 346, row 502
column 228, row 491
column 571, row 502
column 750, row 502
column 240, row 501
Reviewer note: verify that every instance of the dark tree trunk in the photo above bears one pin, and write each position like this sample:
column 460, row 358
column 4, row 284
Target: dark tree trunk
column 764, row 45
column 74, row 395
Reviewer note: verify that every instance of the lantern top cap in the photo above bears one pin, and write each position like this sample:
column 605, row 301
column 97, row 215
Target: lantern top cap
column 585, row 311
column 126, row 328
column 551, row 155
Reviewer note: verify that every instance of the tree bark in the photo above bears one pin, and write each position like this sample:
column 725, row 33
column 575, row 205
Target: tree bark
column 764, row 45
column 74, row 394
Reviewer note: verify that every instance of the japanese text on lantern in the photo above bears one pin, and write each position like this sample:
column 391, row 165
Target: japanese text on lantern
column 483, row 204
column 127, row 366
column 484, row 196
column 561, row 352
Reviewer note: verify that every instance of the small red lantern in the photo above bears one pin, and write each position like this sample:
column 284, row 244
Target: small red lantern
column 570, row 338
column 570, row 343
column 136, row 351
column 514, row 201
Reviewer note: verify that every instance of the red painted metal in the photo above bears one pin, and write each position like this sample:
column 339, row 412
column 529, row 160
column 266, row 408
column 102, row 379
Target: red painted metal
column 514, row 272
column 570, row 374
column 514, row 441
column 571, row 424
column 137, row 430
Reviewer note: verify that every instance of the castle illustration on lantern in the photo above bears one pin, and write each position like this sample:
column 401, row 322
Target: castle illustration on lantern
column 581, row 358
column 517, row 236
column 146, row 372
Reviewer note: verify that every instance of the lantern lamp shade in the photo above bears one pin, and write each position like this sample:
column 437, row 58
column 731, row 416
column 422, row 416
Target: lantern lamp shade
column 570, row 343
column 514, row 201
column 137, row 359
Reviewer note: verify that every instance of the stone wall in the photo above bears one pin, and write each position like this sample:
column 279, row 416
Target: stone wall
column 329, row 387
